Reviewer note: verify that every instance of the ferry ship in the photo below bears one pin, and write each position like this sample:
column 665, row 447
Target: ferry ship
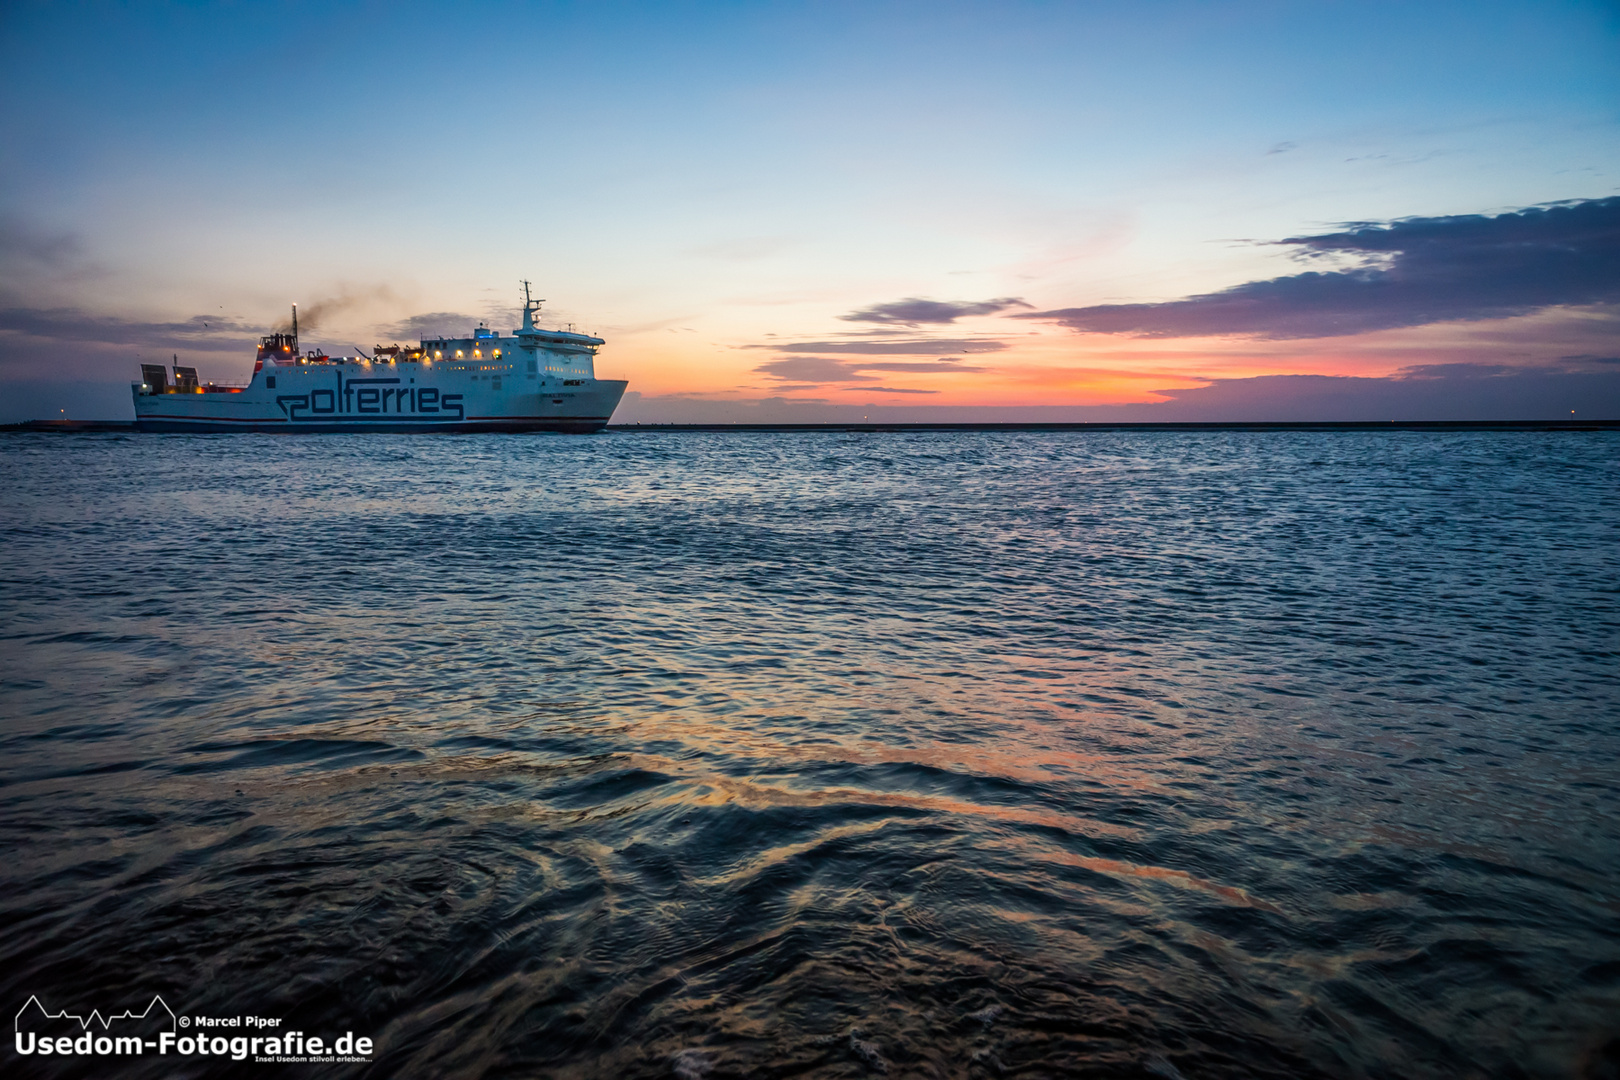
column 530, row 380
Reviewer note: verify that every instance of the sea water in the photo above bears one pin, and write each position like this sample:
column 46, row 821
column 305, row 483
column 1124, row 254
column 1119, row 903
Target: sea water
column 1112, row 753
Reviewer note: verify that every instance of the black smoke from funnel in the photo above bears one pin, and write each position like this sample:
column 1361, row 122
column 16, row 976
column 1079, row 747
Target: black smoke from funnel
column 312, row 316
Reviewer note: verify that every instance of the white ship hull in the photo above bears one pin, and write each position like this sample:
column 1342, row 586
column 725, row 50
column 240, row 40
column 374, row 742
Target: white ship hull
column 404, row 396
column 530, row 380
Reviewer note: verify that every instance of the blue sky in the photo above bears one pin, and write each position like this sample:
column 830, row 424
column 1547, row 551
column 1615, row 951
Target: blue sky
column 700, row 182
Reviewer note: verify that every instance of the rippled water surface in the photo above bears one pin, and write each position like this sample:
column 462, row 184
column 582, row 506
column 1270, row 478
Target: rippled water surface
column 1125, row 754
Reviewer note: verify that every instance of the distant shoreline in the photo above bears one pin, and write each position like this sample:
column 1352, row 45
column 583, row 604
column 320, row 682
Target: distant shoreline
column 73, row 427
column 1211, row 425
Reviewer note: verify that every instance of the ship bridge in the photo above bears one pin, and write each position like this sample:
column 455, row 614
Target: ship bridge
column 527, row 350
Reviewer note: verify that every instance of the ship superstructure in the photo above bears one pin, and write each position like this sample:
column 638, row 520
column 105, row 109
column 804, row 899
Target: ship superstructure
column 532, row 379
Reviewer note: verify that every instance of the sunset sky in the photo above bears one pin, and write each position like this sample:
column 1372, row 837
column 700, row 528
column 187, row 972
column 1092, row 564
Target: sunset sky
column 809, row 211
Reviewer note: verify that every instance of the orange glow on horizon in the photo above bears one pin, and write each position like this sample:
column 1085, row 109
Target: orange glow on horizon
column 1054, row 366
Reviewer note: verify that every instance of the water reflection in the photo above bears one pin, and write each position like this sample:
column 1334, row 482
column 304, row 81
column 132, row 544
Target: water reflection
column 967, row 754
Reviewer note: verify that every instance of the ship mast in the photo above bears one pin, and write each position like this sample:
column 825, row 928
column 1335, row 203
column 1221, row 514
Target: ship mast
column 531, row 308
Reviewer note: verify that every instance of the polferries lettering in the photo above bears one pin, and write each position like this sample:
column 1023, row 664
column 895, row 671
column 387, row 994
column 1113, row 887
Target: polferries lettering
column 357, row 397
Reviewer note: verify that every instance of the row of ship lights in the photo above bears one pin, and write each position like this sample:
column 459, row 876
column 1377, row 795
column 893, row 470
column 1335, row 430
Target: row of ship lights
column 495, row 354
column 477, row 354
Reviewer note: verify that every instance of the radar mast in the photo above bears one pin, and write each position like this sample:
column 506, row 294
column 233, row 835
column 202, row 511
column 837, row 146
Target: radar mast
column 531, row 308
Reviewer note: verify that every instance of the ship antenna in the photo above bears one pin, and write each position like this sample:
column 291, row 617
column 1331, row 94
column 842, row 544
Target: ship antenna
column 530, row 306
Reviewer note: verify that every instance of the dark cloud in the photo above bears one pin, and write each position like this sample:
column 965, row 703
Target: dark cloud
column 914, row 312
column 429, row 325
column 911, row 347
column 74, row 325
column 216, row 332
column 1417, row 271
column 816, row 369
column 504, row 315
column 1426, row 392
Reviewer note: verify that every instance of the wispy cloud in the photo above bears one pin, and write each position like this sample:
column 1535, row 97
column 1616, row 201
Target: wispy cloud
column 944, row 363
column 1416, row 271
column 822, row 369
column 912, row 346
column 886, row 390
column 746, row 249
column 23, row 242
column 1458, row 392
column 914, row 311
column 39, row 264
